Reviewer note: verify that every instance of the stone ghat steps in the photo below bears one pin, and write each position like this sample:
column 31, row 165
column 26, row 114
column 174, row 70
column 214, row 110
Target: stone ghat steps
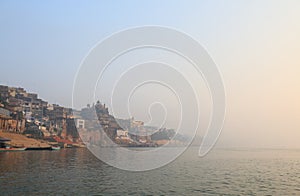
column 19, row 140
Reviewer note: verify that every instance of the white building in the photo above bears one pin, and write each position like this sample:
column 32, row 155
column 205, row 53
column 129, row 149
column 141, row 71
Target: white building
column 80, row 123
column 122, row 133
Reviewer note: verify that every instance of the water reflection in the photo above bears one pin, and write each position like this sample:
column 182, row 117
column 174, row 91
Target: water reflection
column 77, row 171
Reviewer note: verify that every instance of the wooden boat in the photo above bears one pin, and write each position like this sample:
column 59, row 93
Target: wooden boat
column 55, row 148
column 8, row 149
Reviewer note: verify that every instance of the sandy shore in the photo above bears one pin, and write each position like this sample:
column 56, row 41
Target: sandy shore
column 21, row 140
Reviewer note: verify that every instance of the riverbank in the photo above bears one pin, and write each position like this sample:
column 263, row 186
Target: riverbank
column 18, row 140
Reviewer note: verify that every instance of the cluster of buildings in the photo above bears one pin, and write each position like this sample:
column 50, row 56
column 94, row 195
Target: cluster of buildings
column 24, row 112
column 94, row 123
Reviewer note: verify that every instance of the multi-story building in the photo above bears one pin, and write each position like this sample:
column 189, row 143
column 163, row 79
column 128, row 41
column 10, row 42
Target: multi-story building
column 4, row 93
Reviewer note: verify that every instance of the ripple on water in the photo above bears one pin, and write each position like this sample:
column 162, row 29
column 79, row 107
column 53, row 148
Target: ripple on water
column 78, row 172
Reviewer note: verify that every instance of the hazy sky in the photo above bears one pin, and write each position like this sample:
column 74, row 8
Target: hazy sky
column 256, row 45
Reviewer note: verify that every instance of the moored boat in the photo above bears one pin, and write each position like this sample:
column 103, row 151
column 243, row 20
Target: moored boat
column 55, row 148
column 9, row 149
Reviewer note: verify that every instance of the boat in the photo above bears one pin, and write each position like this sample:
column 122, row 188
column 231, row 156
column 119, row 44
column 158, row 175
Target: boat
column 68, row 146
column 5, row 146
column 10, row 149
column 55, row 148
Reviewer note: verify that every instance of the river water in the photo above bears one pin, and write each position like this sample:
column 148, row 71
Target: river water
column 221, row 172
